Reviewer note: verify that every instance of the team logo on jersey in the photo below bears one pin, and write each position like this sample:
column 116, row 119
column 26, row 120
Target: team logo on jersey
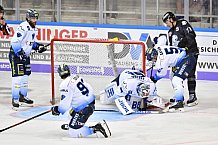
column 19, row 34
column 62, row 97
column 184, row 22
column 177, row 28
column 33, row 36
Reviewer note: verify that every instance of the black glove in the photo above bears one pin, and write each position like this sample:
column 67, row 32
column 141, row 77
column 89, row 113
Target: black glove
column 153, row 80
column 55, row 111
column 183, row 43
column 155, row 40
column 22, row 55
column 42, row 48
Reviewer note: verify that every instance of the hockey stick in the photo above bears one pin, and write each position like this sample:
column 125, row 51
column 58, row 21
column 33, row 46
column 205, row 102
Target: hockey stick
column 25, row 120
column 138, row 112
column 35, row 51
column 152, row 67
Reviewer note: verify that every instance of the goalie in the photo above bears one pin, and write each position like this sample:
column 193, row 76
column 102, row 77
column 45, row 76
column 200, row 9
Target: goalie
column 132, row 91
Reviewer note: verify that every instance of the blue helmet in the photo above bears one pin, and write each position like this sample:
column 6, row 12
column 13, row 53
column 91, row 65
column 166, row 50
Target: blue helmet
column 151, row 53
column 31, row 13
column 63, row 71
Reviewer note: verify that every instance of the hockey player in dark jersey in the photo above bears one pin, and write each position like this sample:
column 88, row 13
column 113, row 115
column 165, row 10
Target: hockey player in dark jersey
column 181, row 34
column 3, row 25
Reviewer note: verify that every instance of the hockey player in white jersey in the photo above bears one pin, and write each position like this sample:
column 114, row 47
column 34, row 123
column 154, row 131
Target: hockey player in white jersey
column 168, row 56
column 77, row 97
column 22, row 43
column 131, row 91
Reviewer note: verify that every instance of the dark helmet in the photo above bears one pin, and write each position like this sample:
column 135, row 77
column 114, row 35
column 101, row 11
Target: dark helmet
column 31, row 13
column 167, row 17
column 1, row 9
column 63, row 71
column 151, row 53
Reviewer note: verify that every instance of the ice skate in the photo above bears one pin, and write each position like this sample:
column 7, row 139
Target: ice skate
column 15, row 104
column 192, row 101
column 177, row 107
column 103, row 128
column 24, row 101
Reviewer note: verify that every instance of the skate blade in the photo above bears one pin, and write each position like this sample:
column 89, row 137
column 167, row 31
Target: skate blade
column 15, row 108
column 26, row 105
column 107, row 130
column 192, row 104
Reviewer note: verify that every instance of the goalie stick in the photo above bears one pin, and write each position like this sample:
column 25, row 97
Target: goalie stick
column 137, row 112
column 43, row 113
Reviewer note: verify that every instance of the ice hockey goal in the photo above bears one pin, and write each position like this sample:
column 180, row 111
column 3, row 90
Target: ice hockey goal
column 98, row 61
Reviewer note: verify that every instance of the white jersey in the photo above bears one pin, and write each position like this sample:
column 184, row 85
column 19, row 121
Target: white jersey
column 168, row 56
column 128, row 82
column 130, row 73
column 75, row 94
column 24, row 37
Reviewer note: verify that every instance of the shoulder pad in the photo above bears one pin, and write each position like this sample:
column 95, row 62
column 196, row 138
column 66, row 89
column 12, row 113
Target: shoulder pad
column 24, row 26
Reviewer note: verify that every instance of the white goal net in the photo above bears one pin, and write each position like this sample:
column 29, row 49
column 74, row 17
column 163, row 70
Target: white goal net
column 97, row 61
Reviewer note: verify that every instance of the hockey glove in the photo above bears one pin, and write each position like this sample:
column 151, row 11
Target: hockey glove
column 174, row 69
column 22, row 55
column 42, row 48
column 55, row 111
column 153, row 79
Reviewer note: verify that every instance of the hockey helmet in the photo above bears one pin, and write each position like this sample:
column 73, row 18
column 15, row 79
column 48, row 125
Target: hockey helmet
column 151, row 53
column 167, row 16
column 31, row 13
column 143, row 89
column 63, row 71
column 1, row 9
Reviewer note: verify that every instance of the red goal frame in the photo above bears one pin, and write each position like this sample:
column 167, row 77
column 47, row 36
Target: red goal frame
column 90, row 41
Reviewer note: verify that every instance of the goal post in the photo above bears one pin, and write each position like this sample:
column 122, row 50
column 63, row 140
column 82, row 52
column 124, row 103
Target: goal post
column 95, row 59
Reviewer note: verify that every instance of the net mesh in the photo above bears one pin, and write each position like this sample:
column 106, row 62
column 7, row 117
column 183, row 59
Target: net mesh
column 97, row 61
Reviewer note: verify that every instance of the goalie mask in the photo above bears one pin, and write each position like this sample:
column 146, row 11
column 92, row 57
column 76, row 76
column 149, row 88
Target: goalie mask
column 143, row 90
column 31, row 17
column 63, row 71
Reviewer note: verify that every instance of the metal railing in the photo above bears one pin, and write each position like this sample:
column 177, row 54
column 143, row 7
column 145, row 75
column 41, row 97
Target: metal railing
column 200, row 13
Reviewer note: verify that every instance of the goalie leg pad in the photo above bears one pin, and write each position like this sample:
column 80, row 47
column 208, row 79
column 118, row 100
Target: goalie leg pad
column 123, row 106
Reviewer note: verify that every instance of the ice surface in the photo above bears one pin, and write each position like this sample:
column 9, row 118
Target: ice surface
column 196, row 126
